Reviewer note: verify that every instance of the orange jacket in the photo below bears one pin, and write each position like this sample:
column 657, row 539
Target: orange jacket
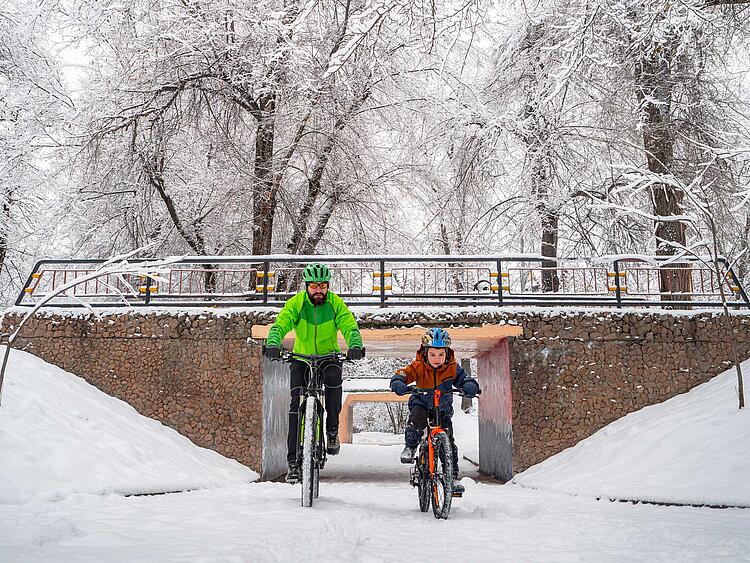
column 446, row 377
column 427, row 377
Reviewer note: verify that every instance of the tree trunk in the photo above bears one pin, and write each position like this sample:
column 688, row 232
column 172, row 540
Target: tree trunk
column 457, row 283
column 540, row 187
column 264, row 192
column 4, row 232
column 535, row 133
column 325, row 215
column 654, row 94
column 550, row 278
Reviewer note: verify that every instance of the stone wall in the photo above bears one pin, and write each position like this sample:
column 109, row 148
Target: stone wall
column 196, row 373
column 572, row 373
column 575, row 373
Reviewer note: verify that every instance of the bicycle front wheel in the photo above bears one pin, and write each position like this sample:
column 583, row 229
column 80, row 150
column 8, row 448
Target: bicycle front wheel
column 319, row 450
column 308, row 451
column 423, row 478
column 441, row 485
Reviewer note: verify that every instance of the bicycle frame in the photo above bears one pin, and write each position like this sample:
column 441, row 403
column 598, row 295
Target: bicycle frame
column 425, row 474
column 434, row 430
column 314, row 388
column 313, row 459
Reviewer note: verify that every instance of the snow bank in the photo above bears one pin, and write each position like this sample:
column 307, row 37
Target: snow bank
column 689, row 449
column 59, row 435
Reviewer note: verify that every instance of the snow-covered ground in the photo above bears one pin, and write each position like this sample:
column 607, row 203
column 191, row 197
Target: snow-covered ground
column 59, row 436
column 69, row 452
column 691, row 449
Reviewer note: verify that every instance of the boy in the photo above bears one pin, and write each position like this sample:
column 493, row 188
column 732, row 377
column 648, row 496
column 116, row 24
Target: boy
column 434, row 367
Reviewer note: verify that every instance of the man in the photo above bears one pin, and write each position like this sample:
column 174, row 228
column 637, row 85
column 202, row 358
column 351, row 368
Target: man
column 316, row 315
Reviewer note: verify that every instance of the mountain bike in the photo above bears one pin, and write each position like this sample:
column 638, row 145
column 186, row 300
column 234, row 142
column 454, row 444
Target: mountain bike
column 433, row 471
column 311, row 446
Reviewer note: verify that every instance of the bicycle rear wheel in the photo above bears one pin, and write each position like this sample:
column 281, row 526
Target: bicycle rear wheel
column 423, row 478
column 308, row 451
column 441, row 485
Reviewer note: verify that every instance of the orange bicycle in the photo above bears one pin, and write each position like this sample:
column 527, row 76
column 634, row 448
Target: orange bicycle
column 433, row 469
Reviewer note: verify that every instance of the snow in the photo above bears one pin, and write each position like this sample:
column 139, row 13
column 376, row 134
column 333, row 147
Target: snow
column 64, row 436
column 70, row 452
column 690, row 449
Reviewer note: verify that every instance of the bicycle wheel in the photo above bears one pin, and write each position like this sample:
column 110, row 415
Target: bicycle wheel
column 442, row 477
column 423, row 478
column 308, row 451
column 319, row 447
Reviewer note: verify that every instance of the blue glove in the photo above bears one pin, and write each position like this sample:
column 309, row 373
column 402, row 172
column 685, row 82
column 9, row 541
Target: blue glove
column 399, row 387
column 470, row 389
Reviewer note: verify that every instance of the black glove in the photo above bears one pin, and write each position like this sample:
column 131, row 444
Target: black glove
column 399, row 387
column 470, row 389
column 355, row 353
column 272, row 352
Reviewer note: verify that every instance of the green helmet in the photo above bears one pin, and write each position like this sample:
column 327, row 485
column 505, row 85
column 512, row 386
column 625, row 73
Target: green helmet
column 316, row 273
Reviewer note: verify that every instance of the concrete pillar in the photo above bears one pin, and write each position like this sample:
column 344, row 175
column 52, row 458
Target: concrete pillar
column 275, row 418
column 496, row 412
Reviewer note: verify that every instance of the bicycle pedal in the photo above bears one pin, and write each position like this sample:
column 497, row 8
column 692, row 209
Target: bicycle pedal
column 454, row 494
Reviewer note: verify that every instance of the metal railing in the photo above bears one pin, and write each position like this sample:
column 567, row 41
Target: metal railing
column 512, row 280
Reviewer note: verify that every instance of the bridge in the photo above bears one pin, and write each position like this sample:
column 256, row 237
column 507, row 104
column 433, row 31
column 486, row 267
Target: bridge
column 155, row 335
column 387, row 281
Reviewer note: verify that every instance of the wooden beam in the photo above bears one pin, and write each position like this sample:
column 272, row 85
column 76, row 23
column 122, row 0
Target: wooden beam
column 398, row 342
column 346, row 418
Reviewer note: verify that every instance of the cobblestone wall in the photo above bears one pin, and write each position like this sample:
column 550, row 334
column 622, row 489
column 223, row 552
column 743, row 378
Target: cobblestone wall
column 572, row 373
column 194, row 372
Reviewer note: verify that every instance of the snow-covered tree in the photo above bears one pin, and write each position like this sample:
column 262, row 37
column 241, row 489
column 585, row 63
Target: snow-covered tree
column 32, row 114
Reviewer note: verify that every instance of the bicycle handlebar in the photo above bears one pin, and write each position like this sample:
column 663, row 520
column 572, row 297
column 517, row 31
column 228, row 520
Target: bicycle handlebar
column 287, row 355
column 459, row 392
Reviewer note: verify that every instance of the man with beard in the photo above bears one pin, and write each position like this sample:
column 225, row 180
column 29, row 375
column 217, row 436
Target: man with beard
column 316, row 315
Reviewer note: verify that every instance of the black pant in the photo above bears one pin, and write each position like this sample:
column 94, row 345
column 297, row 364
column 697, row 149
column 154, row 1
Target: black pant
column 299, row 376
column 418, row 417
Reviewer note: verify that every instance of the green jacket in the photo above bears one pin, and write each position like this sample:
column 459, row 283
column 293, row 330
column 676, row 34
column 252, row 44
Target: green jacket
column 316, row 328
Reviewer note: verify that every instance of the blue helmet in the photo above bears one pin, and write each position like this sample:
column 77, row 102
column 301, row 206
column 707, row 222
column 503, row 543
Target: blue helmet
column 436, row 338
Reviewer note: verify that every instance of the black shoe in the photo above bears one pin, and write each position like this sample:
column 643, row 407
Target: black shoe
column 407, row 454
column 292, row 476
column 332, row 439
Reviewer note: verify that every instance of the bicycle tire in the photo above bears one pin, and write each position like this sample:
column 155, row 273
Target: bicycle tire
column 441, row 481
column 423, row 478
column 308, row 450
column 319, row 447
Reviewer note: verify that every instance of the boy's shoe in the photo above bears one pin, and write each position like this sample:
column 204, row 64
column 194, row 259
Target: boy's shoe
column 458, row 489
column 407, row 454
column 292, row 476
column 332, row 443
